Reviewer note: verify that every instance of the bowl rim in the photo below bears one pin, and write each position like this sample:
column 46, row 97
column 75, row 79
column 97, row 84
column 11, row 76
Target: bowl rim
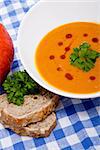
column 48, row 86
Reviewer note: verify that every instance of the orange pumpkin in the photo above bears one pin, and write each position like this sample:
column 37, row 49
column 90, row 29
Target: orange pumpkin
column 6, row 53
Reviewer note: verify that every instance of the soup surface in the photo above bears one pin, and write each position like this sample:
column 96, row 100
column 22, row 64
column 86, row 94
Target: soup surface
column 53, row 57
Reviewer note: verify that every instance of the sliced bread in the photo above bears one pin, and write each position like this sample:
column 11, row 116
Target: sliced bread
column 39, row 129
column 34, row 109
column 3, row 102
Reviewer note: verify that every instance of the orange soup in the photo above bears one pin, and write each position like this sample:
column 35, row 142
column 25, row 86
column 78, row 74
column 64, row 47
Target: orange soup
column 53, row 58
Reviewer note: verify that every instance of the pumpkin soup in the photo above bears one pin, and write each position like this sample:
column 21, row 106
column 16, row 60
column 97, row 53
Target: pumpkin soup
column 68, row 57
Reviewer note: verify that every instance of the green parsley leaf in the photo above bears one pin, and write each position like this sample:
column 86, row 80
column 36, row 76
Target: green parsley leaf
column 84, row 57
column 19, row 84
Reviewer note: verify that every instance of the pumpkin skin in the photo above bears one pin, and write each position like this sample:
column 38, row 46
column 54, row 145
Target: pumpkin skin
column 6, row 53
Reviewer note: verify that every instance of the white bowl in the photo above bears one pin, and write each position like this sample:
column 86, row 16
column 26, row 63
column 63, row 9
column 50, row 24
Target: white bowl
column 42, row 18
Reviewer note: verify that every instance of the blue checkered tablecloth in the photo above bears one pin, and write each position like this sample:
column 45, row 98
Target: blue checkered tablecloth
column 78, row 121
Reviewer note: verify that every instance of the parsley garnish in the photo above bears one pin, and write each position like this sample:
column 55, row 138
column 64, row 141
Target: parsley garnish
column 84, row 57
column 17, row 85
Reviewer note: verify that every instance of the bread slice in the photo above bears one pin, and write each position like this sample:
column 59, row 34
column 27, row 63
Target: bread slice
column 34, row 109
column 39, row 129
column 3, row 102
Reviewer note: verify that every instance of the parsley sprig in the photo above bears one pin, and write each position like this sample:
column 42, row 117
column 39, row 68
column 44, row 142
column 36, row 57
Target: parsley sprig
column 17, row 85
column 84, row 57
